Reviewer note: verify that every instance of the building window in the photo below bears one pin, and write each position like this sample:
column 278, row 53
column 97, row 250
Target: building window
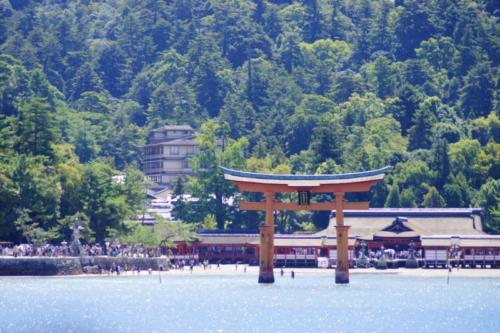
column 174, row 150
column 153, row 150
column 156, row 179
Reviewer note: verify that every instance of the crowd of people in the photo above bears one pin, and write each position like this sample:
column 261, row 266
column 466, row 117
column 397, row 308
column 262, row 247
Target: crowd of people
column 124, row 250
column 30, row 250
column 393, row 254
column 111, row 249
column 115, row 249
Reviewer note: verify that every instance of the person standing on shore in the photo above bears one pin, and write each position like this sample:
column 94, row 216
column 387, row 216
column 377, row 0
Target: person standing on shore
column 293, row 274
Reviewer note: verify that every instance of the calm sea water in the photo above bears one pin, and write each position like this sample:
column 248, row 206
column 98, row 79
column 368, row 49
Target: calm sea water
column 309, row 303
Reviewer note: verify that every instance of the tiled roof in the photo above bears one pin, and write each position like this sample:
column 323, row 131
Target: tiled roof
column 173, row 128
column 186, row 139
column 462, row 241
column 412, row 212
column 366, row 227
column 245, row 174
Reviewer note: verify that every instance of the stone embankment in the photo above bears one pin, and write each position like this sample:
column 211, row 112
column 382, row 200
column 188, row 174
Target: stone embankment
column 74, row 265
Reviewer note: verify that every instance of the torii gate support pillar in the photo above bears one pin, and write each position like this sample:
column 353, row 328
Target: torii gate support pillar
column 266, row 252
column 342, row 267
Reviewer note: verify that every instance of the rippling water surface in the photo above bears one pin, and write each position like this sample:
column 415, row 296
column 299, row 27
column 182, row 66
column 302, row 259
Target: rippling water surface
column 211, row 303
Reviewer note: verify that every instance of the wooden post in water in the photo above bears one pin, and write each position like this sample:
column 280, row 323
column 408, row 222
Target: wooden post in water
column 266, row 253
column 342, row 267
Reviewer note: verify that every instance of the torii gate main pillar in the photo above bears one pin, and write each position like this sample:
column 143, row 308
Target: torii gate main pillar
column 266, row 252
column 342, row 267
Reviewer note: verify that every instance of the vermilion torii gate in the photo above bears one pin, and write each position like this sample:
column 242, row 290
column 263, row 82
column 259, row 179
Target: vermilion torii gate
column 304, row 185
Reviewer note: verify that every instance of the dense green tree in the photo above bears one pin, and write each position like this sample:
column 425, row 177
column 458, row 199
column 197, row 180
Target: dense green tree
column 180, row 208
column 406, row 107
column 321, row 58
column 9, row 198
column 337, row 24
column 289, row 50
column 488, row 197
column 416, row 72
column 85, row 145
column 476, row 96
column 210, row 180
column 415, row 175
column 85, row 80
column 293, row 15
column 345, row 84
column 381, row 36
column 412, row 25
column 108, row 202
column 36, row 130
column 40, row 190
column 358, row 110
column 393, row 199
column 240, row 38
column 383, row 142
column 486, row 129
column 464, row 158
column 239, row 114
column 110, row 67
column 439, row 53
column 210, row 86
column 299, row 131
column 312, row 20
column 175, row 104
column 440, row 161
column 379, row 194
column 407, row 198
column 324, row 142
column 446, row 131
column 457, row 191
column 362, row 46
column 421, row 133
column 468, row 34
column 94, row 102
column 382, row 76
column 179, row 187
column 433, row 199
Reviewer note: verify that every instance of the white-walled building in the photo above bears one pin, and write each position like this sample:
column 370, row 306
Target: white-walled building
column 166, row 156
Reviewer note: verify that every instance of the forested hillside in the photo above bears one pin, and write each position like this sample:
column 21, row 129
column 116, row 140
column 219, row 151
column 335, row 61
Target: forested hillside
column 310, row 86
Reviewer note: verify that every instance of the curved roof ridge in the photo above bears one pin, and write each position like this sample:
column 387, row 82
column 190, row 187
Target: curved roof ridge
column 256, row 175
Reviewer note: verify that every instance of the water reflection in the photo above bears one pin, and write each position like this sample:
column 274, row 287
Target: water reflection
column 309, row 303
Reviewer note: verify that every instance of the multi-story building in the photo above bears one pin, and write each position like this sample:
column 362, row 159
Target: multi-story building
column 166, row 156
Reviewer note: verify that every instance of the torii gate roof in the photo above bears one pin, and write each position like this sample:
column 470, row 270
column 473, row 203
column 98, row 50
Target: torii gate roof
column 304, row 180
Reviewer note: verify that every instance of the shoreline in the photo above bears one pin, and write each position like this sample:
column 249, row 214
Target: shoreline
column 229, row 270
